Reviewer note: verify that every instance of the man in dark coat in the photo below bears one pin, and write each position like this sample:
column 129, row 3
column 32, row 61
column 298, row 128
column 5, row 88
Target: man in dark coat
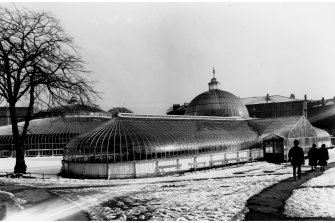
column 297, row 158
column 323, row 156
column 313, row 157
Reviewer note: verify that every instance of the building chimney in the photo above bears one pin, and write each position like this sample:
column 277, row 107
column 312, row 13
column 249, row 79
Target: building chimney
column 267, row 98
column 305, row 106
column 175, row 106
column 323, row 102
column 292, row 96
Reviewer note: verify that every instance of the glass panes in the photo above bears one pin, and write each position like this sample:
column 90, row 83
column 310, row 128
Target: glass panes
column 268, row 146
column 217, row 103
column 48, row 136
column 269, row 149
column 155, row 137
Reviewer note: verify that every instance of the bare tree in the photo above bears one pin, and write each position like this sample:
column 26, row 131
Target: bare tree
column 39, row 64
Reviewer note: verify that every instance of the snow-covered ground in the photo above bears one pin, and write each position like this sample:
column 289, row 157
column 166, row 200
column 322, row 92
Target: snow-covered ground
column 36, row 165
column 219, row 194
column 205, row 195
column 316, row 197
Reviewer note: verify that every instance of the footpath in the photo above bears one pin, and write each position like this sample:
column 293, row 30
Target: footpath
column 270, row 203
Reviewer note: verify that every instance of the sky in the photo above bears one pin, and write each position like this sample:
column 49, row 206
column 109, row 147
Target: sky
column 149, row 56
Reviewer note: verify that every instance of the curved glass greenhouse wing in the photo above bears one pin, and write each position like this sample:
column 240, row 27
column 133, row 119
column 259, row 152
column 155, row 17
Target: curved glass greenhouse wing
column 290, row 129
column 49, row 133
column 135, row 137
column 278, row 126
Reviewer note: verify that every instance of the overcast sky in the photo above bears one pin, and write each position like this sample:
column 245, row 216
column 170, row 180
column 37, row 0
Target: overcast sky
column 148, row 56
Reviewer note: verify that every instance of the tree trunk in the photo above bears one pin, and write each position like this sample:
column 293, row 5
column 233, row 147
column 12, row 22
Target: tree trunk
column 20, row 166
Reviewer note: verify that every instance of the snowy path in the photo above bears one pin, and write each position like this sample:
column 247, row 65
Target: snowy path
column 270, row 203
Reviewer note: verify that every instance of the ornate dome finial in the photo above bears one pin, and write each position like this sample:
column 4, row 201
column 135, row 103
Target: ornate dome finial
column 214, row 84
column 216, row 102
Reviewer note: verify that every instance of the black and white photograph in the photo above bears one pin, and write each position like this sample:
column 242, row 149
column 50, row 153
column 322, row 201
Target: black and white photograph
column 167, row 111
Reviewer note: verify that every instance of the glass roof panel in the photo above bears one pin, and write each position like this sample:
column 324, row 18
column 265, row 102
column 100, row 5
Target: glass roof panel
column 147, row 137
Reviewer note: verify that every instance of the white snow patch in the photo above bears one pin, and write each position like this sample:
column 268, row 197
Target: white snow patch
column 12, row 201
column 219, row 194
column 216, row 194
column 316, row 198
column 39, row 165
column 320, row 202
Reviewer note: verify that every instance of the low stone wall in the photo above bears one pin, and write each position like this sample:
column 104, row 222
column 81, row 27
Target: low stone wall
column 149, row 168
column 85, row 170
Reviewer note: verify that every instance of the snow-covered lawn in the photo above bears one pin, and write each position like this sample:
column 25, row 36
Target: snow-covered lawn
column 219, row 194
column 47, row 165
column 316, row 198
column 204, row 195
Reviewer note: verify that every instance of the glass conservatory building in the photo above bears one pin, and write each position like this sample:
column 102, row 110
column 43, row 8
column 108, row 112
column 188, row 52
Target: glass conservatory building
column 216, row 130
column 52, row 129
column 143, row 145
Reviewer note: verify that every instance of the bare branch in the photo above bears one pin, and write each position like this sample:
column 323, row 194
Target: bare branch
column 38, row 62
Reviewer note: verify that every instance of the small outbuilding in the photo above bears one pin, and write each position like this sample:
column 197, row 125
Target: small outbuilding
column 278, row 134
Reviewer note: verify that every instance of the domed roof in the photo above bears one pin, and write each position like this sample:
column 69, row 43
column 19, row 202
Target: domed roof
column 117, row 110
column 72, row 109
column 216, row 102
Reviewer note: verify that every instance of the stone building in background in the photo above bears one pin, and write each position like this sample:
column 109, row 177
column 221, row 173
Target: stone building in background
column 320, row 113
column 5, row 116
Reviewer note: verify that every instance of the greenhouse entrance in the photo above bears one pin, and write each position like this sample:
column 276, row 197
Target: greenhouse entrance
column 273, row 147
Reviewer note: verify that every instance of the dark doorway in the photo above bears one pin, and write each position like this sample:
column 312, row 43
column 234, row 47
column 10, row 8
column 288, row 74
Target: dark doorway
column 273, row 147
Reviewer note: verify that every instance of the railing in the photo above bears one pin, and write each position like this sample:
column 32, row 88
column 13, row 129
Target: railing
column 43, row 176
column 252, row 155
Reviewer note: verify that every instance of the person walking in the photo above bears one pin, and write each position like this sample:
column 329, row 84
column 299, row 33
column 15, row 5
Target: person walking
column 297, row 158
column 313, row 157
column 323, row 157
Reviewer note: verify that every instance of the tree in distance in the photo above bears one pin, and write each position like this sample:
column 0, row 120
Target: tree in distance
column 39, row 65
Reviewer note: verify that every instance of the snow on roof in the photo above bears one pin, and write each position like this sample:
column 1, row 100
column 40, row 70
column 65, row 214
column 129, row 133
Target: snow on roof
column 262, row 99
